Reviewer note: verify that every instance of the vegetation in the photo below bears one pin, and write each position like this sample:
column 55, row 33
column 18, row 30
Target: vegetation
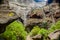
column 34, row 31
column 15, row 30
column 41, row 31
column 18, row 32
column 54, row 27
column 44, row 32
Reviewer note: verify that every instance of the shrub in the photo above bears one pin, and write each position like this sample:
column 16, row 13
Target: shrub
column 43, row 32
column 34, row 31
column 37, row 30
column 54, row 27
column 14, row 30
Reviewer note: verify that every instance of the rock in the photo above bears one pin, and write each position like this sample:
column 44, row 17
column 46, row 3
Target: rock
column 36, row 13
column 34, row 16
column 6, row 14
column 54, row 35
column 37, row 37
column 28, row 38
column 57, row 15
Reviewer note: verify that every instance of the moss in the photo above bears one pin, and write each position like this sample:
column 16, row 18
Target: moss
column 54, row 27
column 14, row 30
column 43, row 32
column 34, row 31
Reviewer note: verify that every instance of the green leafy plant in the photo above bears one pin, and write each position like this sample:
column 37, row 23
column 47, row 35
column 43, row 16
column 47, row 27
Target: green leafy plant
column 14, row 30
column 43, row 32
column 54, row 27
column 35, row 31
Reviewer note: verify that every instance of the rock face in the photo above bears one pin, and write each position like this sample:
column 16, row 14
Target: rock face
column 36, row 14
column 47, row 13
column 57, row 15
column 50, row 14
column 6, row 14
column 42, row 14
